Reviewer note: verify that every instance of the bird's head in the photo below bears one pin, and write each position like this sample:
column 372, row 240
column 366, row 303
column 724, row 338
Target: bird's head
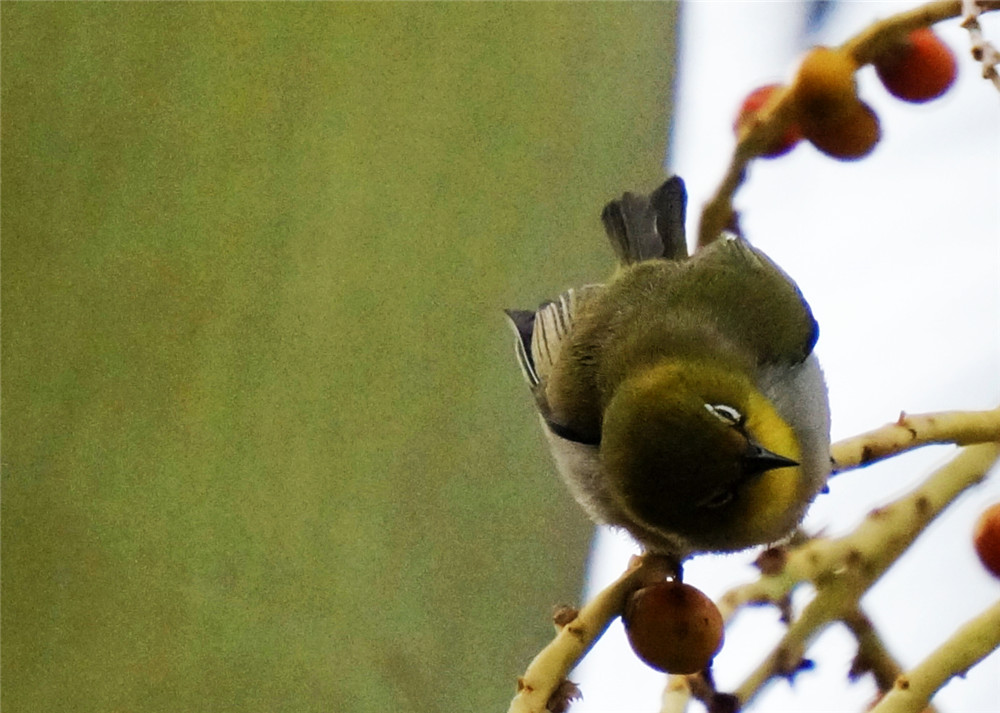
column 698, row 451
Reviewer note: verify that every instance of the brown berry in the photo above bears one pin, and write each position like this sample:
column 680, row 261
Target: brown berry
column 825, row 86
column 919, row 68
column 986, row 538
column 848, row 135
column 747, row 116
column 673, row 627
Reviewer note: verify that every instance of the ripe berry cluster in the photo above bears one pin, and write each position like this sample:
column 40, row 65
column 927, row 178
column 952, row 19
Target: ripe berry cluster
column 825, row 105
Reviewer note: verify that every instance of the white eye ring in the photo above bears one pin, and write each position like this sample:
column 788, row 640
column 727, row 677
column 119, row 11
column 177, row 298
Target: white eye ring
column 727, row 414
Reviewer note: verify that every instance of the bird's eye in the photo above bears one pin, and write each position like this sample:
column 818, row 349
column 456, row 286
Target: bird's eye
column 727, row 414
column 718, row 499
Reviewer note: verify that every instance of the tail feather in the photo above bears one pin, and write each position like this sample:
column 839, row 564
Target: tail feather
column 644, row 228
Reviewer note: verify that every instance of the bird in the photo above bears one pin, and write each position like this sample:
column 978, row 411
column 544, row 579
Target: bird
column 681, row 400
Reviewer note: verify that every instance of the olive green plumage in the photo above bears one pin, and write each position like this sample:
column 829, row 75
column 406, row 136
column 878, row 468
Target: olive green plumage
column 682, row 400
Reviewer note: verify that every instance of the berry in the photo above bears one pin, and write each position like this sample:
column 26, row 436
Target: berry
column 847, row 135
column 748, row 115
column 829, row 112
column 919, row 68
column 824, row 86
column 986, row 538
column 673, row 627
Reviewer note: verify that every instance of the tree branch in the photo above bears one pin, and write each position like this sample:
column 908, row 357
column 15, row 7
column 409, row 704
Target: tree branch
column 553, row 663
column 973, row 642
column 843, row 569
column 912, row 431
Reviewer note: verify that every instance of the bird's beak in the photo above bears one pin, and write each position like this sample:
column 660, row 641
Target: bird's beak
column 757, row 459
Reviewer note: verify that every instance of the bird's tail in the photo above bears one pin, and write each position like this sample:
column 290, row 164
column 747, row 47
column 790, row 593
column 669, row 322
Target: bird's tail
column 648, row 227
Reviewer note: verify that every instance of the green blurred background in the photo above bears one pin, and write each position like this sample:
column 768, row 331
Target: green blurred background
column 265, row 444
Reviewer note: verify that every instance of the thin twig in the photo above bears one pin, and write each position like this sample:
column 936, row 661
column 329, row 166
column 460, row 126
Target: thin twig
column 981, row 49
column 873, row 657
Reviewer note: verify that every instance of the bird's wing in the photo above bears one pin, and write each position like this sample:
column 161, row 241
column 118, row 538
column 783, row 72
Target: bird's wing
column 541, row 334
column 782, row 325
column 522, row 321
column 642, row 228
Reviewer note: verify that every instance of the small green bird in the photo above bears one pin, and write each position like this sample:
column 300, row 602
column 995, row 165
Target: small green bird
column 681, row 401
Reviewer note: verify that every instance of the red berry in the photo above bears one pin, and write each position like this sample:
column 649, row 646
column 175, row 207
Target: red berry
column 919, row 68
column 986, row 539
column 748, row 115
column 673, row 627
column 847, row 135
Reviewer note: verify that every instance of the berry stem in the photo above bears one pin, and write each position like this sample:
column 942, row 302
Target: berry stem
column 880, row 36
